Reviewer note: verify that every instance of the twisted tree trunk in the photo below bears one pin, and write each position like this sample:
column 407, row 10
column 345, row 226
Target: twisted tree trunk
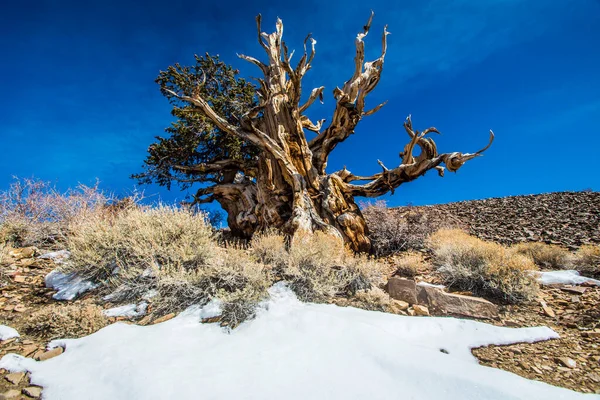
column 288, row 187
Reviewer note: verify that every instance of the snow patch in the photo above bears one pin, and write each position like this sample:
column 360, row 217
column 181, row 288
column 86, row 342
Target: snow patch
column 430, row 285
column 128, row 310
column 68, row 286
column 59, row 257
column 291, row 350
column 212, row 309
column 6, row 332
column 566, row 277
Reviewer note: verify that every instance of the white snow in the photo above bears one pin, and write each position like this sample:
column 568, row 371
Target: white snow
column 6, row 332
column 292, row 350
column 128, row 310
column 566, row 277
column 59, row 257
column 68, row 286
column 430, row 285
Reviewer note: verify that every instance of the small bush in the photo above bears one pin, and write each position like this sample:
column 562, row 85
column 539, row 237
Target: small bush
column 143, row 238
column 544, row 255
column 374, row 299
column 270, row 248
column 65, row 321
column 487, row 269
column 321, row 267
column 392, row 231
column 587, row 260
column 409, row 264
column 34, row 213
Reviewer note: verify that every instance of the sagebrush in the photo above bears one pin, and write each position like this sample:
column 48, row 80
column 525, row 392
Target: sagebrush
column 587, row 260
column 485, row 268
column 544, row 255
column 65, row 321
column 392, row 231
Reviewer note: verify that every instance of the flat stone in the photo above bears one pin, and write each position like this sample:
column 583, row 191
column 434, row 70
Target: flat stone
column 573, row 289
column 398, row 305
column 29, row 349
column 567, row 362
column 10, row 394
column 442, row 303
column 421, row 310
column 23, row 252
column 33, row 391
column 19, row 279
column 15, row 378
column 164, row 318
column 402, row 289
column 50, row 354
column 547, row 309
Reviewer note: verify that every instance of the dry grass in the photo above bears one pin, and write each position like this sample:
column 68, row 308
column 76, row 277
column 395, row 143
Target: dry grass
column 374, row 299
column 587, row 260
column 544, row 255
column 163, row 238
column 392, row 232
column 487, row 269
column 410, row 264
column 34, row 213
column 170, row 250
column 65, row 321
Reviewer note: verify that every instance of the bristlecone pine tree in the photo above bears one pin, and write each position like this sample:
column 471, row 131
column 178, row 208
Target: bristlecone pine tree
column 253, row 150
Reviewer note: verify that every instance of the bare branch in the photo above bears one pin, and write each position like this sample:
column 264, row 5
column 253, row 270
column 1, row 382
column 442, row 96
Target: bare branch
column 411, row 167
column 316, row 93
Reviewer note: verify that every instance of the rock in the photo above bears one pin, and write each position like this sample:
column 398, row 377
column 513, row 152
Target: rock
column 33, row 391
column 29, row 349
column 10, row 394
column 19, row 279
column 591, row 334
column 398, row 305
column 50, row 354
column 421, row 310
column 411, row 312
column 442, row 303
column 164, row 318
column 567, row 362
column 20, row 308
column 547, row 310
column 574, row 289
column 402, row 289
column 15, row 378
column 23, row 252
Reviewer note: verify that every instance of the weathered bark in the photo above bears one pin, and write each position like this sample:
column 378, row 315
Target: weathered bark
column 288, row 187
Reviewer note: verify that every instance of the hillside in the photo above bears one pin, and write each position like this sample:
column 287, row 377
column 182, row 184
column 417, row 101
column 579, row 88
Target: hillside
column 570, row 219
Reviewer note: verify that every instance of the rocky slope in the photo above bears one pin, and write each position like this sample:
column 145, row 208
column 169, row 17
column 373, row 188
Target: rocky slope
column 570, row 219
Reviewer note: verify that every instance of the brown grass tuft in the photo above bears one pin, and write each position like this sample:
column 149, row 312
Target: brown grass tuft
column 587, row 260
column 544, row 255
column 487, row 269
column 65, row 321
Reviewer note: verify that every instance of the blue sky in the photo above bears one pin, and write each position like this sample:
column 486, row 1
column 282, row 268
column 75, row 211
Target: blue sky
column 79, row 99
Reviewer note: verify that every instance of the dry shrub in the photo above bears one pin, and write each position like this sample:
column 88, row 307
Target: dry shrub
column 321, row 267
column 270, row 248
column 485, row 268
column 374, row 299
column 35, row 213
column 65, row 321
column 171, row 250
column 544, row 255
column 162, row 238
column 410, row 264
column 587, row 260
column 392, row 231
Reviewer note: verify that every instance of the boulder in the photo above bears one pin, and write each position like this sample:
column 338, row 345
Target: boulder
column 33, row 391
column 402, row 289
column 23, row 252
column 442, row 303
column 421, row 310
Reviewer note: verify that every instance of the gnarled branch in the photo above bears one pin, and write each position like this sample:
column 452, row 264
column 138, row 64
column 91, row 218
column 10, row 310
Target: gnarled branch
column 411, row 167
